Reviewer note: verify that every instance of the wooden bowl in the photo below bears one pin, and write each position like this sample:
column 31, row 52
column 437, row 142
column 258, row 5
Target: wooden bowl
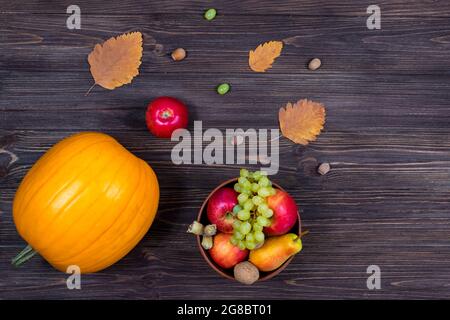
column 228, row 273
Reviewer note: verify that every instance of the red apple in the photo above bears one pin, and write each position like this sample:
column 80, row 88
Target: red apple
column 220, row 209
column 224, row 253
column 284, row 213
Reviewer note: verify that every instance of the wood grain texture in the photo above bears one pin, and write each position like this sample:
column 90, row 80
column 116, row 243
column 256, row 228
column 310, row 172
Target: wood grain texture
column 386, row 200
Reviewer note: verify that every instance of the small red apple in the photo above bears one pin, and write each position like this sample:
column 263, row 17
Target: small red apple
column 220, row 208
column 224, row 253
column 284, row 213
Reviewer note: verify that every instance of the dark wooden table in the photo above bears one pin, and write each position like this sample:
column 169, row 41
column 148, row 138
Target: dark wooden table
column 386, row 201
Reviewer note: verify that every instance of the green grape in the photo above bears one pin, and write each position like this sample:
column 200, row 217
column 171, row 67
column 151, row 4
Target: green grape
column 263, row 221
column 243, row 215
column 242, row 198
column 257, row 227
column 236, row 224
column 237, row 188
column 255, row 187
column 272, row 191
column 250, row 245
column 263, row 207
column 268, row 213
column 256, row 175
column 257, row 200
column 245, row 227
column 264, row 182
column 248, row 205
column 238, row 235
column 236, row 209
column 242, row 181
column 259, row 236
column 263, row 192
column 234, row 241
column 250, row 237
column 247, row 185
column 241, row 245
column 244, row 173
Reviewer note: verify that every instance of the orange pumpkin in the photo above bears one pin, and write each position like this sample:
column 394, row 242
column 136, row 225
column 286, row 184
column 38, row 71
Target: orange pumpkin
column 87, row 202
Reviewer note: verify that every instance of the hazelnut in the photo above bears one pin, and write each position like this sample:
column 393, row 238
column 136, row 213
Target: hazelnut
column 195, row 228
column 178, row 54
column 323, row 168
column 314, row 64
column 246, row 272
column 207, row 242
column 210, row 230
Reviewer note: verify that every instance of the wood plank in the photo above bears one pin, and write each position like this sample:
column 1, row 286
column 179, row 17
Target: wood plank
column 386, row 200
column 323, row 8
column 404, row 45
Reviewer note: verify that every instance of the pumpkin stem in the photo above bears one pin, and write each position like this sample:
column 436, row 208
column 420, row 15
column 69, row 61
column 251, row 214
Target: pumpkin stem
column 25, row 255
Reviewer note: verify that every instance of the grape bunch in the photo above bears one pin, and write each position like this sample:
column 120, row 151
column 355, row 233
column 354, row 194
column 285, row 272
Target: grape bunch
column 252, row 213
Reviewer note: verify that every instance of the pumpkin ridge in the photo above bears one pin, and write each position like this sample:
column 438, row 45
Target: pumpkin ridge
column 112, row 224
column 105, row 211
column 103, row 257
column 87, row 209
column 65, row 187
column 22, row 208
column 25, row 234
column 138, row 235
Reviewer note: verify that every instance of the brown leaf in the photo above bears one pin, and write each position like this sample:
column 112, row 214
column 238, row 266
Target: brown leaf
column 116, row 62
column 264, row 55
column 303, row 121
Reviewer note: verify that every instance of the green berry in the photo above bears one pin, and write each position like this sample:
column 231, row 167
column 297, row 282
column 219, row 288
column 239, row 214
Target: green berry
column 223, row 88
column 244, row 173
column 242, row 198
column 263, row 221
column 245, row 227
column 259, row 236
column 238, row 235
column 268, row 213
column 243, row 215
column 250, row 245
column 257, row 200
column 248, row 205
column 210, row 14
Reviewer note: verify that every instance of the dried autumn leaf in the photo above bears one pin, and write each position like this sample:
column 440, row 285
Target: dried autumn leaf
column 264, row 55
column 303, row 121
column 116, row 62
